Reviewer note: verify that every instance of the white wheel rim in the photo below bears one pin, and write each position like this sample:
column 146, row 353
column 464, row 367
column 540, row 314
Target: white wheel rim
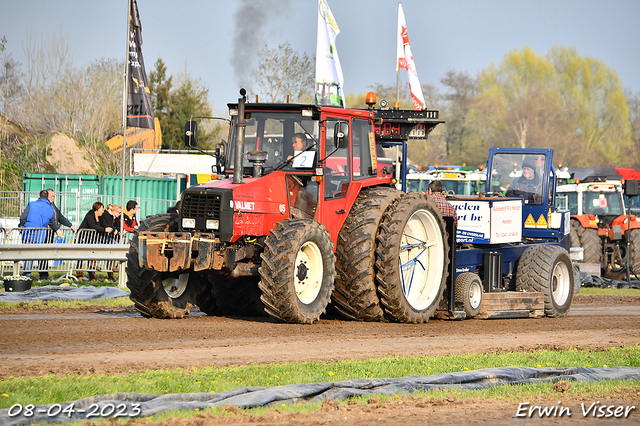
column 421, row 259
column 475, row 294
column 174, row 287
column 308, row 272
column 560, row 283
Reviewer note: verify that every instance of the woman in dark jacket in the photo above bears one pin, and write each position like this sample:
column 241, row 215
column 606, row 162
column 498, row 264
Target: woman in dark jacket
column 111, row 219
column 92, row 221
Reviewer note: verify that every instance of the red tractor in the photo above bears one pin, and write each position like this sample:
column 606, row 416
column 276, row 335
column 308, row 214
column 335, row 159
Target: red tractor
column 600, row 223
column 286, row 232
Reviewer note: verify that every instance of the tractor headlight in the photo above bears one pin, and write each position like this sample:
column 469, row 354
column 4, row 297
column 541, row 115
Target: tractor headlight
column 188, row 223
column 213, row 224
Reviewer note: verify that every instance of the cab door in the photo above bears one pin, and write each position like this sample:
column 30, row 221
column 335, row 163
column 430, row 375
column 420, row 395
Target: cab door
column 336, row 194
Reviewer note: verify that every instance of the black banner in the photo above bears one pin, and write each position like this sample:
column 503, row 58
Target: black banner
column 139, row 106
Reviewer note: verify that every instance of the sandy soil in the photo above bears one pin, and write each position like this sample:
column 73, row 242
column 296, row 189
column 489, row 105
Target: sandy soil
column 67, row 157
column 119, row 341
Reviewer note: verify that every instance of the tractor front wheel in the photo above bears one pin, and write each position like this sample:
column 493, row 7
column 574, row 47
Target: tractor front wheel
column 159, row 294
column 298, row 271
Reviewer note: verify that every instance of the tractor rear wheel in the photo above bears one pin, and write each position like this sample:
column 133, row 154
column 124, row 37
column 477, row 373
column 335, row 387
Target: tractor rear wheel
column 634, row 250
column 548, row 269
column 588, row 239
column 237, row 296
column 355, row 295
column 297, row 272
column 469, row 293
column 159, row 294
column 206, row 301
column 412, row 259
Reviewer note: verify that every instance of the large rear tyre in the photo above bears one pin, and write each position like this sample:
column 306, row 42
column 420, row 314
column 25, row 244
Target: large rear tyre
column 411, row 259
column 237, row 296
column 548, row 269
column 206, row 300
column 155, row 294
column 634, row 250
column 355, row 295
column 469, row 293
column 588, row 239
column 298, row 271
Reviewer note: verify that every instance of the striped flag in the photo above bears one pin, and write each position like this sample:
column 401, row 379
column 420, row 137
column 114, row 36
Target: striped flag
column 329, row 90
column 405, row 60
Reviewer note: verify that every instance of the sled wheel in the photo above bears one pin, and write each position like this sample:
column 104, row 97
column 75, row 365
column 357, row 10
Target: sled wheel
column 469, row 293
column 297, row 272
column 411, row 259
column 548, row 269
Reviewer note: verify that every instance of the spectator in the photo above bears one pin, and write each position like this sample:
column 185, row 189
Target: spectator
column 58, row 219
column 92, row 221
column 130, row 221
column 436, row 191
column 38, row 214
column 111, row 219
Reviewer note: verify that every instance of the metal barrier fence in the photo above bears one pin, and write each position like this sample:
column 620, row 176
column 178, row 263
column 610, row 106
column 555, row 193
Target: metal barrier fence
column 19, row 243
column 73, row 205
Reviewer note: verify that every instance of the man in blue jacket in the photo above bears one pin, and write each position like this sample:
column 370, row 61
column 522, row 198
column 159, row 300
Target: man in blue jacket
column 38, row 214
column 57, row 220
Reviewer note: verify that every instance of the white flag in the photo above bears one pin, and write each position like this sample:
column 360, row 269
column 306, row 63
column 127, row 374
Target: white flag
column 405, row 60
column 329, row 79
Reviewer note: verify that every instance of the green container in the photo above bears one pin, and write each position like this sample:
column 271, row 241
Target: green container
column 154, row 195
column 83, row 184
column 140, row 187
column 77, row 193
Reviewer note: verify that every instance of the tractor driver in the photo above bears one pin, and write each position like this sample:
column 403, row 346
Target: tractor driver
column 529, row 185
column 299, row 144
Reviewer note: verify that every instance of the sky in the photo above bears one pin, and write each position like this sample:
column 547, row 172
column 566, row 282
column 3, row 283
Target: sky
column 218, row 41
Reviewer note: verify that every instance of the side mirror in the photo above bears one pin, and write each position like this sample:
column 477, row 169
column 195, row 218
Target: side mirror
column 191, row 134
column 341, row 135
column 631, row 188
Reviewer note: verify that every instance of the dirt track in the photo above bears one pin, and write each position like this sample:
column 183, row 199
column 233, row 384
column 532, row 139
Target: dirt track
column 72, row 342
column 86, row 342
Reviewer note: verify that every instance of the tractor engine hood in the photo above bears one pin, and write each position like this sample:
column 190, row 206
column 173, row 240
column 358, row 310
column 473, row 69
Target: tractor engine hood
column 231, row 211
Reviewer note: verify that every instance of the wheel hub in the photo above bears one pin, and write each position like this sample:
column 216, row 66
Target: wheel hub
column 174, row 287
column 308, row 272
column 560, row 283
column 302, row 271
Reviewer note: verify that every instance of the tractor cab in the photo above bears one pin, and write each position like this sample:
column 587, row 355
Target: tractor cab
column 528, row 174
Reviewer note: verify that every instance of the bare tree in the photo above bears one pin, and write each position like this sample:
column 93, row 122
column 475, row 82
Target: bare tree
column 284, row 72
column 10, row 75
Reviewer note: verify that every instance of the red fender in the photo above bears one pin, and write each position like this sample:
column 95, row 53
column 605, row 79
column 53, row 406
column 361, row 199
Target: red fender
column 585, row 220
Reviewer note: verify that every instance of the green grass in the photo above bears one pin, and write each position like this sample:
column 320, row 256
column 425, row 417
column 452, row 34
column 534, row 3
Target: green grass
column 52, row 389
column 590, row 291
column 118, row 302
column 124, row 301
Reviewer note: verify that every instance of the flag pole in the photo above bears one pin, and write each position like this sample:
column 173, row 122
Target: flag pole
column 124, row 116
column 398, row 29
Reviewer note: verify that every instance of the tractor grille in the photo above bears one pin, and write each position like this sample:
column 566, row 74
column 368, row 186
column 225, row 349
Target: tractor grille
column 207, row 204
column 201, row 205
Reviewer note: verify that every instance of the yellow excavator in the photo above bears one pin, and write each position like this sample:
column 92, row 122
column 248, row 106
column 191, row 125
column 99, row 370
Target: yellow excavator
column 150, row 139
